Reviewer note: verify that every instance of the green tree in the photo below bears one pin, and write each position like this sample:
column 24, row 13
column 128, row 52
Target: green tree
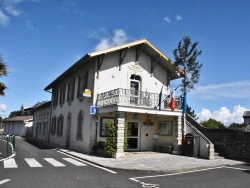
column 236, row 125
column 40, row 103
column 212, row 123
column 185, row 56
column 3, row 72
column 190, row 112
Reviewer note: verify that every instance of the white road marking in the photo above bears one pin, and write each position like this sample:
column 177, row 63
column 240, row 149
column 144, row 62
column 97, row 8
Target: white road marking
column 54, row 162
column 237, row 168
column 178, row 173
column 33, row 162
column 111, row 171
column 10, row 163
column 74, row 162
column 4, row 181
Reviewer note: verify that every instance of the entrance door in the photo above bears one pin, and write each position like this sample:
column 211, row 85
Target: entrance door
column 133, row 135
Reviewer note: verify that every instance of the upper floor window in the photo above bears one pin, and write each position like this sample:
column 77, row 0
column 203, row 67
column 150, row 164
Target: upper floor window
column 134, row 88
column 55, row 97
column 62, row 94
column 71, row 90
column 82, row 84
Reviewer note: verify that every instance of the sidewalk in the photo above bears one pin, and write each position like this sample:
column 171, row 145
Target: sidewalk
column 148, row 161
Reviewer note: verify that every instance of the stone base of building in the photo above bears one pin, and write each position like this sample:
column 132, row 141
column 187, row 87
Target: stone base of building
column 119, row 155
column 177, row 150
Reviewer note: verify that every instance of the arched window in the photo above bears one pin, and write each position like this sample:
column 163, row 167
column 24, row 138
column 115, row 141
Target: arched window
column 135, row 89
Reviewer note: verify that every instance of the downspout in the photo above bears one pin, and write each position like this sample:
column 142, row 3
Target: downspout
column 48, row 138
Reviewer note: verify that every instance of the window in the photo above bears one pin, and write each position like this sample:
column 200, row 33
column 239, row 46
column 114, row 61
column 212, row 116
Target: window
column 53, row 125
column 71, row 90
column 55, row 97
column 82, row 84
column 60, row 125
column 103, row 128
column 165, row 128
column 62, row 94
column 79, row 126
column 12, row 126
column 134, row 89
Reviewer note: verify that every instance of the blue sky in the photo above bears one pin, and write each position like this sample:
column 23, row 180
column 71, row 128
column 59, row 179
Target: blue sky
column 39, row 39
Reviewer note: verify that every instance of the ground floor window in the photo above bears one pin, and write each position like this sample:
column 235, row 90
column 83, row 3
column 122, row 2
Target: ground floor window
column 79, row 126
column 60, row 125
column 53, row 125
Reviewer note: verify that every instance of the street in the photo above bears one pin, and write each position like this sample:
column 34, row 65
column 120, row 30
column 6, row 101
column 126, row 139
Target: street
column 37, row 166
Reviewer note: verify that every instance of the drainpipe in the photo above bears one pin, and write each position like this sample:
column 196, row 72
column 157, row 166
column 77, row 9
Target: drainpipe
column 48, row 138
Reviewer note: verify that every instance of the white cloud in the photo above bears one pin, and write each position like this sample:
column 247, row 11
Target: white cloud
column 178, row 17
column 120, row 37
column 224, row 115
column 240, row 89
column 166, row 18
column 9, row 8
column 12, row 10
column 3, row 19
column 3, row 107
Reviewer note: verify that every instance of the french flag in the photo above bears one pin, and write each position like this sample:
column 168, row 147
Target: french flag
column 172, row 101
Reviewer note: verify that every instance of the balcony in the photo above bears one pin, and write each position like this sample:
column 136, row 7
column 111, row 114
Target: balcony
column 126, row 97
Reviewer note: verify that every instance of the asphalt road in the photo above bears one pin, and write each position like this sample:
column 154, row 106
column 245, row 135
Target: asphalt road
column 71, row 172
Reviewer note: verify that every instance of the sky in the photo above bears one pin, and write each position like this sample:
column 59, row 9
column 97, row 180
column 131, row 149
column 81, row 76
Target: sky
column 40, row 39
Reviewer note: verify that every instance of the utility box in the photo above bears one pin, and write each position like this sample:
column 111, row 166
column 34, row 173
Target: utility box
column 192, row 145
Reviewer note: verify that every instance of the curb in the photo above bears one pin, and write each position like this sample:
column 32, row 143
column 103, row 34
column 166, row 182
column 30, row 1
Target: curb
column 122, row 168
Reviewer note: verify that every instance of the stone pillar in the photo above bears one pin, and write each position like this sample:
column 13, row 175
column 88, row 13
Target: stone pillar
column 177, row 135
column 120, row 124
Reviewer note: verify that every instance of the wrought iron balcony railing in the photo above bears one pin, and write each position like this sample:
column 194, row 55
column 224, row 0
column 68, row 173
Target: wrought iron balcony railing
column 128, row 97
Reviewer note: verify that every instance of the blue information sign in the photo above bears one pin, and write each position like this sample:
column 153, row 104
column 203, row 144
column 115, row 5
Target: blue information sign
column 93, row 110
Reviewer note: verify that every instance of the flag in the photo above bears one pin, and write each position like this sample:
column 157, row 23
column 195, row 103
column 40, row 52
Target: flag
column 172, row 101
column 160, row 96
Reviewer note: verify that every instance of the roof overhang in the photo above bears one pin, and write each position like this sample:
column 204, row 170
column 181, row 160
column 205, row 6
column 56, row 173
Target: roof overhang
column 144, row 44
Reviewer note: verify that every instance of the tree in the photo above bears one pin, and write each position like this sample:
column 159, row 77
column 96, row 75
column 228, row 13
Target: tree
column 185, row 56
column 236, row 126
column 191, row 113
column 212, row 123
column 40, row 103
column 3, row 72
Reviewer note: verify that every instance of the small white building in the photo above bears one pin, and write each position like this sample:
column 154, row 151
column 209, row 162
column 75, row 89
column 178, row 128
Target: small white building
column 19, row 125
column 124, row 83
column 41, row 121
column 246, row 117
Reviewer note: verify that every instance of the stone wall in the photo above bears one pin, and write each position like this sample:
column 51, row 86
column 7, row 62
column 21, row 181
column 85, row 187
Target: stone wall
column 230, row 143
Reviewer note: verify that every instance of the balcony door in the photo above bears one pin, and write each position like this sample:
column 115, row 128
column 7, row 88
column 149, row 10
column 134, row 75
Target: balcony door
column 133, row 135
column 134, row 89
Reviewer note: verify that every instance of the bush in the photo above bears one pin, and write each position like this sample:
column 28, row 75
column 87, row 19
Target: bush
column 110, row 142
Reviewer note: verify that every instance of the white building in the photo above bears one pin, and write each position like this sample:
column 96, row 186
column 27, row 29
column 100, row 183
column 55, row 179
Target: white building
column 41, row 121
column 246, row 117
column 19, row 125
column 125, row 82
